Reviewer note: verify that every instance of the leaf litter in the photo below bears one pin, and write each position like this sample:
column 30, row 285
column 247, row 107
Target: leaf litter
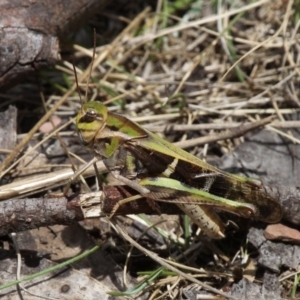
column 221, row 66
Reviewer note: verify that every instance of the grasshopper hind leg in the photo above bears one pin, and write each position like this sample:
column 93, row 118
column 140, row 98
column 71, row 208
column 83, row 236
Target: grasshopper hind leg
column 205, row 218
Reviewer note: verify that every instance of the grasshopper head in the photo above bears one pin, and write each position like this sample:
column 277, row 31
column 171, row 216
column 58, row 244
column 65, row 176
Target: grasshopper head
column 90, row 119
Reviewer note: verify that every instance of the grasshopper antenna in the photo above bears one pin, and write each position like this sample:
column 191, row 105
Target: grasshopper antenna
column 79, row 172
column 76, row 80
column 92, row 62
column 98, row 177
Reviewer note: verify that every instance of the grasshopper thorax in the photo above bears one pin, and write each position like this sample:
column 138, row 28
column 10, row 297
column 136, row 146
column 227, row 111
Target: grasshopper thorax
column 90, row 120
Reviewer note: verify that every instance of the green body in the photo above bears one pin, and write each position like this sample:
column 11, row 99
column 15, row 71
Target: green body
column 169, row 173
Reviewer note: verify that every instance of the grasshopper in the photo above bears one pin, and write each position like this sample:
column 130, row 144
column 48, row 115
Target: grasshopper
column 158, row 170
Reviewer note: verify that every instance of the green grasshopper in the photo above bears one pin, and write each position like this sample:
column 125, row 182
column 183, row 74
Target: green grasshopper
column 161, row 171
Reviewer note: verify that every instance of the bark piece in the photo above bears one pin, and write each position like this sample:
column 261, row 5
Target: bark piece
column 29, row 32
column 8, row 129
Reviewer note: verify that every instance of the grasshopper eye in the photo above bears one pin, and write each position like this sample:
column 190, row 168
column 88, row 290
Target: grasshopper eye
column 90, row 116
column 91, row 111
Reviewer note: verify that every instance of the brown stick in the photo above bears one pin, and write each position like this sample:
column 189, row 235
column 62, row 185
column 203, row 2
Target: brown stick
column 24, row 214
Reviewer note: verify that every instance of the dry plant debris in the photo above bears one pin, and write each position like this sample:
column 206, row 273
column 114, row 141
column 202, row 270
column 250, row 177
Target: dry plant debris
column 190, row 75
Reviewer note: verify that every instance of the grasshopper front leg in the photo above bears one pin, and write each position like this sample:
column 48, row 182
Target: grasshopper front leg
column 120, row 164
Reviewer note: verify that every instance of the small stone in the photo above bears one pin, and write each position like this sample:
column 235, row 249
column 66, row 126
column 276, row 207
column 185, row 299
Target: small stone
column 282, row 233
column 48, row 127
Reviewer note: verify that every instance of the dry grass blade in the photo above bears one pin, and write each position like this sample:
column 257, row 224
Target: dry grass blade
column 168, row 266
column 36, row 184
column 233, row 133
